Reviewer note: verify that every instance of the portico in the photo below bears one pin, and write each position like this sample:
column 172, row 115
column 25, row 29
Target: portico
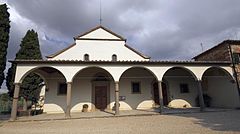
column 83, row 78
column 101, row 72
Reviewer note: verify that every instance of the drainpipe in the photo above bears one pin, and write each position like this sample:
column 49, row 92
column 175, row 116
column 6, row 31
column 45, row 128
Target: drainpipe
column 234, row 69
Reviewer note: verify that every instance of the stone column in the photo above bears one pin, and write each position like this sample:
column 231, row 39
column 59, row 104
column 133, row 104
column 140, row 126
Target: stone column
column 160, row 95
column 15, row 101
column 200, row 95
column 69, row 98
column 116, row 98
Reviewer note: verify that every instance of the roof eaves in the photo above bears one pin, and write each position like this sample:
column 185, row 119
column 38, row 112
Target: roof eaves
column 220, row 44
column 124, row 61
column 137, row 52
column 100, row 26
column 61, row 51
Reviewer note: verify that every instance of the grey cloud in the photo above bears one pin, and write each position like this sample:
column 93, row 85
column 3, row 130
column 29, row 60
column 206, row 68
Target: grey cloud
column 161, row 29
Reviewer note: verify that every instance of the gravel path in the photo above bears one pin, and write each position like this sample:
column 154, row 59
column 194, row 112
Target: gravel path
column 210, row 122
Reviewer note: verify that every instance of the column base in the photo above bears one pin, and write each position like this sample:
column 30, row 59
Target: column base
column 67, row 116
column 12, row 119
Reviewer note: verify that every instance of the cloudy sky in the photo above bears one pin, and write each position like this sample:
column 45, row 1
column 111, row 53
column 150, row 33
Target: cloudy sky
column 162, row 29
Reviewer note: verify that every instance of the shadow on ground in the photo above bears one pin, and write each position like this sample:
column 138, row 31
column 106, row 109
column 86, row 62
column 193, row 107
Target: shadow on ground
column 4, row 117
column 219, row 121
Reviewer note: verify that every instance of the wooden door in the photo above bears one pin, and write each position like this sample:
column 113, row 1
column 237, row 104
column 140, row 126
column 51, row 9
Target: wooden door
column 156, row 93
column 165, row 95
column 101, row 97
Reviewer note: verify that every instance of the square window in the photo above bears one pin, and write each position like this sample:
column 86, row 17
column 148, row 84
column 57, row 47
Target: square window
column 236, row 58
column 136, row 87
column 184, row 88
column 62, row 89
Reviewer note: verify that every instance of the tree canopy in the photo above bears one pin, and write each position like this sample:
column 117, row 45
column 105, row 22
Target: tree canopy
column 4, row 38
column 29, row 49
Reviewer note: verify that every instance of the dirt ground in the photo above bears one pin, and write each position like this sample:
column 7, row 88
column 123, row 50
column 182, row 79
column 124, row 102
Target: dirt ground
column 191, row 123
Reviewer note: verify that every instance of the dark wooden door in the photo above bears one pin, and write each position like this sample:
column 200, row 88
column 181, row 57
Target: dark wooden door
column 156, row 93
column 101, row 97
column 165, row 95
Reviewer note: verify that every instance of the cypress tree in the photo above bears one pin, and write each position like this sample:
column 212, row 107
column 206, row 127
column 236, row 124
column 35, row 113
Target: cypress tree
column 4, row 38
column 29, row 49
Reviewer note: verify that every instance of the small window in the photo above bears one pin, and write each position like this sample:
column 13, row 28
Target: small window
column 62, row 89
column 184, row 88
column 136, row 88
column 114, row 57
column 86, row 57
column 236, row 58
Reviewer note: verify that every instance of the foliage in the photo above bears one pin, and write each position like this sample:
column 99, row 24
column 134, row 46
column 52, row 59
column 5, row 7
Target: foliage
column 4, row 38
column 4, row 97
column 5, row 103
column 32, row 83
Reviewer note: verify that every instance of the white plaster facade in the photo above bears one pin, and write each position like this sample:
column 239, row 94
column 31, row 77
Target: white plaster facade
column 131, row 66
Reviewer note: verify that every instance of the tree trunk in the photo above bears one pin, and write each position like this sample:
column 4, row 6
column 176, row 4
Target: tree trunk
column 24, row 104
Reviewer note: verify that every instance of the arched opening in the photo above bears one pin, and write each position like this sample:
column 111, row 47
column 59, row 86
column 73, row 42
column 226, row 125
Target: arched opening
column 135, row 88
column 49, row 100
column 181, row 88
column 86, row 57
column 219, row 88
column 114, row 57
column 92, row 86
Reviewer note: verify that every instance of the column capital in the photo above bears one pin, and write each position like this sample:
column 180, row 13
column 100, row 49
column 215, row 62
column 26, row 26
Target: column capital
column 116, row 82
column 17, row 83
column 69, row 82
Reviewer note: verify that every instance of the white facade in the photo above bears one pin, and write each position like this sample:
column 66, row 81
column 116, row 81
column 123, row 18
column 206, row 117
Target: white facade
column 69, row 66
column 99, row 44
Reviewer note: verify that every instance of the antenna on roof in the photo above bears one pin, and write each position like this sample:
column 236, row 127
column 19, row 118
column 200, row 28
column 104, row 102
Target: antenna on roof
column 201, row 46
column 100, row 15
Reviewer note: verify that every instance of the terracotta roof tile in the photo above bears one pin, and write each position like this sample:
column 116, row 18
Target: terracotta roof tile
column 116, row 62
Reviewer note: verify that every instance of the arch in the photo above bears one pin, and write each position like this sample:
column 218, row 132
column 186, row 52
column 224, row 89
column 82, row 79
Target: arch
column 38, row 73
column 182, row 85
column 181, row 67
column 220, row 68
column 149, row 70
column 50, row 105
column 220, row 86
column 94, row 82
column 136, row 82
column 79, row 71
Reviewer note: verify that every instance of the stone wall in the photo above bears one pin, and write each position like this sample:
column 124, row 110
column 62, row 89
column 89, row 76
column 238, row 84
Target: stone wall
column 219, row 53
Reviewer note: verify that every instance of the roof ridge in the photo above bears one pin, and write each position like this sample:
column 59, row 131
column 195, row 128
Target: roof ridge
column 219, row 44
column 97, row 27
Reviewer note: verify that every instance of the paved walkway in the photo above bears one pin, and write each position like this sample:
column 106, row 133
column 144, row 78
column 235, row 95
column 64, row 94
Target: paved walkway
column 107, row 114
column 192, row 123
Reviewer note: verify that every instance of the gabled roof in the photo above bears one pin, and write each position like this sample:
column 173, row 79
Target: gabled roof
column 225, row 42
column 65, row 49
column 98, row 27
column 137, row 52
column 61, row 51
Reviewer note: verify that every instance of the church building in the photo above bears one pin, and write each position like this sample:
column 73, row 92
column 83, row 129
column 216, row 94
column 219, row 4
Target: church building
column 101, row 72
